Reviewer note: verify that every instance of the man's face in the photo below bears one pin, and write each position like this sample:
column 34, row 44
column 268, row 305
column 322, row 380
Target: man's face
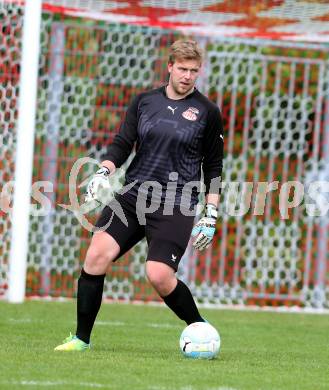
column 183, row 75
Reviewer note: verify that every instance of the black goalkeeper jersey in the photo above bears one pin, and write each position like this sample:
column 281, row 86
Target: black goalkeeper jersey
column 172, row 137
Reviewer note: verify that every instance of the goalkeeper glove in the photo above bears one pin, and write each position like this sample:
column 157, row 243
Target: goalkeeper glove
column 97, row 183
column 205, row 229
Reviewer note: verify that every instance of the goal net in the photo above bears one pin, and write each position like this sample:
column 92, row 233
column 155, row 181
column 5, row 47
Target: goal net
column 274, row 98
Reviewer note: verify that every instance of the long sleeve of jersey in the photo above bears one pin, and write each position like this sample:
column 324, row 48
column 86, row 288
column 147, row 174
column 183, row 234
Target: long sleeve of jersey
column 213, row 145
column 123, row 143
column 183, row 136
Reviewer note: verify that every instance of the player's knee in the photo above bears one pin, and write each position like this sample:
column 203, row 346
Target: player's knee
column 161, row 277
column 96, row 261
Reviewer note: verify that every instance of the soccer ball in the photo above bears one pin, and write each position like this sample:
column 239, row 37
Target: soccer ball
column 200, row 340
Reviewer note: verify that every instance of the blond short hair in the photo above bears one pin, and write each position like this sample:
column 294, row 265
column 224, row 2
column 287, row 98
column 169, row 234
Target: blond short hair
column 185, row 50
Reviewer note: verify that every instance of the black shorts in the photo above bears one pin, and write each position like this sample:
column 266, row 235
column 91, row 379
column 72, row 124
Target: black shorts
column 167, row 235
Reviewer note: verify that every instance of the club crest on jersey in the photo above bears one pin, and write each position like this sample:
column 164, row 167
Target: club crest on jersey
column 191, row 114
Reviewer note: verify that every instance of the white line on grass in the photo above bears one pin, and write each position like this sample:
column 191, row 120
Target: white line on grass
column 161, row 325
column 99, row 385
column 111, row 323
column 55, row 383
column 147, row 325
column 21, row 320
column 189, row 388
column 101, row 323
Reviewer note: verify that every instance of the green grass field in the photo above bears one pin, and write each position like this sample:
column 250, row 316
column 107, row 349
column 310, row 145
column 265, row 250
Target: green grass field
column 136, row 347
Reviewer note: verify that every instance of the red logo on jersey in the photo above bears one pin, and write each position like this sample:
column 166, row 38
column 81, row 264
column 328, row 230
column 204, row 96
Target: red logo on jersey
column 191, row 114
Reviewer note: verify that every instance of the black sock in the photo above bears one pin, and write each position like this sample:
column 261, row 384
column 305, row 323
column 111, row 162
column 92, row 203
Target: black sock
column 181, row 302
column 90, row 292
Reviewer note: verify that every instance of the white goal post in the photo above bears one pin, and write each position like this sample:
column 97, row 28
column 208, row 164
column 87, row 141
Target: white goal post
column 24, row 150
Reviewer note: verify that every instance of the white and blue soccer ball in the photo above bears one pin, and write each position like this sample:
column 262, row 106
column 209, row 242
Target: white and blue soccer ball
column 200, row 340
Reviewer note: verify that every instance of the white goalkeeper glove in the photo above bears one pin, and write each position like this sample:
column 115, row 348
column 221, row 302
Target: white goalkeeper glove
column 204, row 230
column 99, row 181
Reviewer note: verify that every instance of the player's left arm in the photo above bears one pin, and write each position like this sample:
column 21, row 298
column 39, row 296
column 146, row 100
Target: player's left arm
column 212, row 165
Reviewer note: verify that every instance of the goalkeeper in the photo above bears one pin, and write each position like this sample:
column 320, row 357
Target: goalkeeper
column 176, row 132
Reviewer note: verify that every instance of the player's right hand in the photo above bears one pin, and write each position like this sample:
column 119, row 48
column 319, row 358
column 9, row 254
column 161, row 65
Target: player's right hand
column 98, row 182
